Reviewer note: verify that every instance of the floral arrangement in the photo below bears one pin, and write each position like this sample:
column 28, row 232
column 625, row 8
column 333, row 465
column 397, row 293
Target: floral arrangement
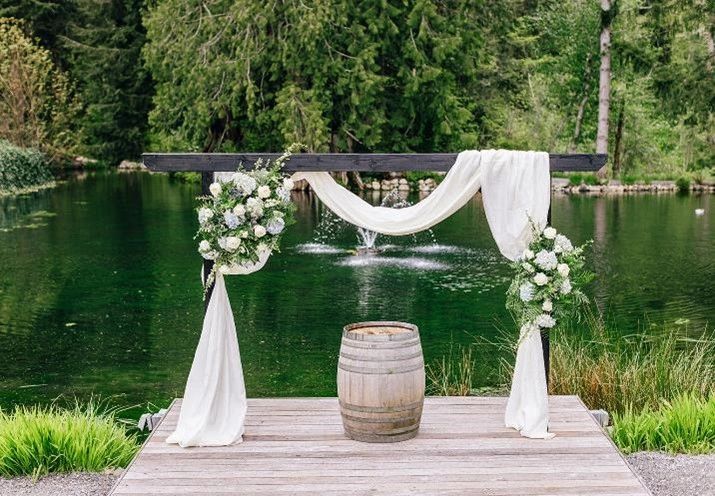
column 548, row 281
column 243, row 218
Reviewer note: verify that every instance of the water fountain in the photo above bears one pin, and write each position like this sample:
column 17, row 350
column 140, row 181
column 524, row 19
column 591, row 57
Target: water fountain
column 367, row 238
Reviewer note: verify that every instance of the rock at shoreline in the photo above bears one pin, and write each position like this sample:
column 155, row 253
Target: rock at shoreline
column 128, row 165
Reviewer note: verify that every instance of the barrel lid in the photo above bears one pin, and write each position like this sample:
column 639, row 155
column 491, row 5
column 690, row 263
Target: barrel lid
column 380, row 331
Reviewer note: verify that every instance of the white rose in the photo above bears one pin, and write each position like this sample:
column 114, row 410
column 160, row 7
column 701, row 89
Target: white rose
column 232, row 243
column 540, row 279
column 566, row 287
column 547, row 306
column 528, row 254
column 259, row 230
column 264, row 192
column 549, row 233
column 288, row 184
column 215, row 189
column 563, row 269
column 546, row 321
column 204, row 246
column 239, row 210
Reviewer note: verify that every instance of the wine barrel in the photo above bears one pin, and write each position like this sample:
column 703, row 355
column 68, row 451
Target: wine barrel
column 381, row 381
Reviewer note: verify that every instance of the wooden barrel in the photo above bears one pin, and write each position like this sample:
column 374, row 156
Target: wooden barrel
column 381, row 381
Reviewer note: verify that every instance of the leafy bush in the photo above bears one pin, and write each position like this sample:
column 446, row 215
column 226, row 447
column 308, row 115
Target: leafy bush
column 22, row 168
column 628, row 179
column 39, row 440
column 683, row 184
column 37, row 109
column 414, row 176
column 683, row 425
column 591, row 179
column 576, row 179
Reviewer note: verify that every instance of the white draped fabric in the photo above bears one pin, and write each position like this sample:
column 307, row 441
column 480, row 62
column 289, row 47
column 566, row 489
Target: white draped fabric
column 515, row 188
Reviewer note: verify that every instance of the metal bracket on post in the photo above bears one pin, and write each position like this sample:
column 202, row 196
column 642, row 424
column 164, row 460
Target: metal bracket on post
column 206, row 179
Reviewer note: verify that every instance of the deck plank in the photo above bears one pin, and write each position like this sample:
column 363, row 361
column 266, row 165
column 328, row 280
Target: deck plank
column 297, row 446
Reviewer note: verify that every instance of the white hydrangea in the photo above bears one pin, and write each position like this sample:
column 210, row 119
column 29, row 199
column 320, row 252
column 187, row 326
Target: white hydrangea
column 264, row 192
column 215, row 189
column 545, row 321
column 245, row 184
column 565, row 287
column 275, row 225
column 541, row 279
column 205, row 215
column 563, row 269
column 549, row 233
column 562, row 244
column 547, row 306
column 526, row 292
column 283, row 194
column 204, row 246
column 546, row 260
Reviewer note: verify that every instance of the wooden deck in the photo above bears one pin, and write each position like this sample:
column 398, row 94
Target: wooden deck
column 297, row 446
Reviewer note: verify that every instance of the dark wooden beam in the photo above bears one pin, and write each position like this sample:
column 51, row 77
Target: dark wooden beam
column 366, row 162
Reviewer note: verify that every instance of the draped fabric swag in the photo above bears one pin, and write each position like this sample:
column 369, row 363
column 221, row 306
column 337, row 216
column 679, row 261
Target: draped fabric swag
column 515, row 188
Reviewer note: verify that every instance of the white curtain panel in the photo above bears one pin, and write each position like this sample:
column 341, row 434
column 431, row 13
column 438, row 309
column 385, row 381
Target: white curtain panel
column 515, row 188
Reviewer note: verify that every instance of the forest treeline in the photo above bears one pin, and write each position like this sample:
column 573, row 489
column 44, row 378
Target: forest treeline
column 111, row 78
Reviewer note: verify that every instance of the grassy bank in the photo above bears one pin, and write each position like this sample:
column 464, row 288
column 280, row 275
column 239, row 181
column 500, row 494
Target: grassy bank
column 23, row 169
column 38, row 440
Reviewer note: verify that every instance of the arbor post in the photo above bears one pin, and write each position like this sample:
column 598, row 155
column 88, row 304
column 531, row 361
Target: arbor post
column 206, row 179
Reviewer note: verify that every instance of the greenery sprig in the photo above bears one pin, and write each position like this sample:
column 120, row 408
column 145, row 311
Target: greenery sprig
column 244, row 217
column 548, row 284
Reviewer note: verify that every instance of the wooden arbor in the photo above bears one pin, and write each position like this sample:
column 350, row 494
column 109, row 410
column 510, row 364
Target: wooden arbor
column 208, row 163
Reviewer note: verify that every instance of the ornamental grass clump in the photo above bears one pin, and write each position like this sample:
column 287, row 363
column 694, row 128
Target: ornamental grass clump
column 683, row 425
column 617, row 373
column 38, row 440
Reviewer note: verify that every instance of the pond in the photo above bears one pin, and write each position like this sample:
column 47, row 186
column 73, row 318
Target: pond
column 100, row 291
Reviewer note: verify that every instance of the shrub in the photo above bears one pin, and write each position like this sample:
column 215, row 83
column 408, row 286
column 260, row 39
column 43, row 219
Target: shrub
column 628, row 179
column 683, row 425
column 683, row 184
column 591, row 179
column 38, row 440
column 37, row 108
column 22, row 168
column 576, row 179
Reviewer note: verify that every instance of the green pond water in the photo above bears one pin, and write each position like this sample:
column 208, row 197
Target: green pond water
column 100, row 291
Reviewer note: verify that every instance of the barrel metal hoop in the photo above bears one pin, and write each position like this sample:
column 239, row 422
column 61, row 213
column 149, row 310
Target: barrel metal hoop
column 379, row 345
column 387, row 371
column 381, row 359
column 381, row 409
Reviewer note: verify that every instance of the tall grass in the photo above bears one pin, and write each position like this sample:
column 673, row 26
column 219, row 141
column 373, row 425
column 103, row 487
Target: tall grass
column 683, row 425
column 38, row 440
column 453, row 375
column 633, row 372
